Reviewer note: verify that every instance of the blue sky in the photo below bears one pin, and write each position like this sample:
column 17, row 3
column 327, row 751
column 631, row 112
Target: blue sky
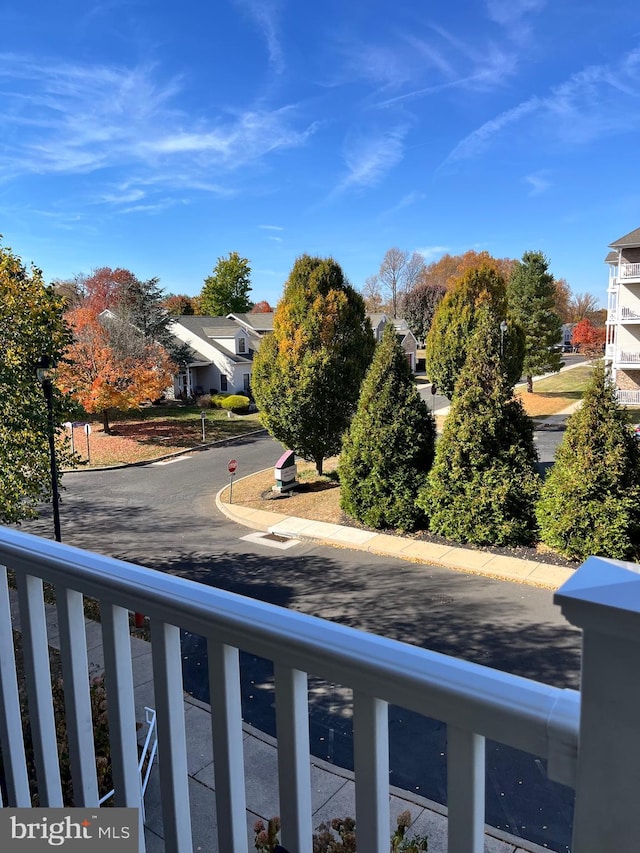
column 160, row 136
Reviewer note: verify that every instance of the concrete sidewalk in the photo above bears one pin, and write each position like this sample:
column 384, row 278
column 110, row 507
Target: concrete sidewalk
column 454, row 557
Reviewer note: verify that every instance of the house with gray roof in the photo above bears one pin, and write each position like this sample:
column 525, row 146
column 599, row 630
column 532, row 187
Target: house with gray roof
column 622, row 351
column 405, row 336
column 222, row 356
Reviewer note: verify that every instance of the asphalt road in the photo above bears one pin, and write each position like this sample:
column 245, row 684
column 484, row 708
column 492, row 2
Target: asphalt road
column 163, row 515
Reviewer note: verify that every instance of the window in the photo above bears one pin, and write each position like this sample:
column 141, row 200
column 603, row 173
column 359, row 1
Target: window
column 242, row 345
column 246, row 381
column 224, row 385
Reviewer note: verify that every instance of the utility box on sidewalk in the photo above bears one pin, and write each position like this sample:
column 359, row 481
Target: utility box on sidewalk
column 285, row 472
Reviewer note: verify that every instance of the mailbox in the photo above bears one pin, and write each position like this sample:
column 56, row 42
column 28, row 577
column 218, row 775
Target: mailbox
column 285, row 472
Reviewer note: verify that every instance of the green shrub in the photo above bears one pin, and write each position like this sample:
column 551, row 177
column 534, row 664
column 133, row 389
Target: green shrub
column 236, row 403
column 388, row 449
column 218, row 399
column 483, row 485
column 590, row 501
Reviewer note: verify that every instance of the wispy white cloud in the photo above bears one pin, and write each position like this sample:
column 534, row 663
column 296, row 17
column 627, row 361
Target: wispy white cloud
column 444, row 60
column 274, row 238
column 539, row 182
column 369, row 158
column 154, row 207
column 512, row 16
column 265, row 15
column 431, row 252
column 271, row 227
column 61, row 118
column 406, row 201
column 476, row 142
column 599, row 101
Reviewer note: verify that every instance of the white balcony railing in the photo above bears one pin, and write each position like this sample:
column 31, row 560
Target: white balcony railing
column 628, row 398
column 476, row 702
column 627, row 271
column 627, row 357
column 629, row 314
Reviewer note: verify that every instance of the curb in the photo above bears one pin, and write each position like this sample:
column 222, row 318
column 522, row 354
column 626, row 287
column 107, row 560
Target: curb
column 454, row 557
column 221, row 442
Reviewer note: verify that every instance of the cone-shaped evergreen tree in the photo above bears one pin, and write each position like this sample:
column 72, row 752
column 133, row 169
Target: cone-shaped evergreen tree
column 389, row 447
column 307, row 374
column 483, row 485
column 590, row 501
column 455, row 321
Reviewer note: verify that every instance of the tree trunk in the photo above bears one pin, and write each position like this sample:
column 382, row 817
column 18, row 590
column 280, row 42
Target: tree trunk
column 105, row 421
column 319, row 466
column 530, row 384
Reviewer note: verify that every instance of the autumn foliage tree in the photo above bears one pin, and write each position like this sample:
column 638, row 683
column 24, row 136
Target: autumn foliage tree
column 122, row 352
column 31, row 327
column 261, row 307
column 307, row 373
column 589, row 339
column 419, row 306
column 446, row 271
column 179, row 304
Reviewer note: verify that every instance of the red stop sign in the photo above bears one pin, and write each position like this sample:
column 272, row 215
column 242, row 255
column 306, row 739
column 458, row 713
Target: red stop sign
column 233, row 464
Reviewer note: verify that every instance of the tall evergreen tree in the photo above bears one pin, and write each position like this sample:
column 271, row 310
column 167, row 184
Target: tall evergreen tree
column 531, row 295
column 455, row 320
column 307, row 373
column 227, row 289
column 483, row 484
column 590, row 501
column 388, row 449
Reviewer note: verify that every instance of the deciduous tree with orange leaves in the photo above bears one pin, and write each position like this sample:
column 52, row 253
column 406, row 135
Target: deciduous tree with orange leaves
column 122, row 352
column 588, row 338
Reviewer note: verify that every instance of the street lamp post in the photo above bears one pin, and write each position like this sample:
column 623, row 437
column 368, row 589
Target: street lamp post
column 43, row 372
column 503, row 329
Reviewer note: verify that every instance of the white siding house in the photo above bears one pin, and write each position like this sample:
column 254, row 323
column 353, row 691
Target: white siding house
column 222, row 356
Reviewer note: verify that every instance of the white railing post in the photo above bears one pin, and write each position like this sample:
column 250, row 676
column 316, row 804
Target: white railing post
column 11, row 739
column 228, row 753
column 603, row 598
column 465, row 790
column 77, row 697
column 294, row 768
column 371, row 765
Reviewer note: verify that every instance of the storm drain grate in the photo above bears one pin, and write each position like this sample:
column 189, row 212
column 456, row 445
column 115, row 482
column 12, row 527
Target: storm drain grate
column 271, row 540
column 273, row 537
column 440, row 599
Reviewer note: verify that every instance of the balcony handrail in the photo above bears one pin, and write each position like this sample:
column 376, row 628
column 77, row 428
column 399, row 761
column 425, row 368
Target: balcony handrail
column 503, row 707
column 629, row 270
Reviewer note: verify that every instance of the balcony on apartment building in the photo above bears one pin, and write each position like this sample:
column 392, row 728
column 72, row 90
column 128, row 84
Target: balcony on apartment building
column 624, row 273
column 590, row 740
column 624, row 314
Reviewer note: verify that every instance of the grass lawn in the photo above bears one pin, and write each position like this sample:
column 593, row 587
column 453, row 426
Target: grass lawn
column 315, row 497
column 556, row 393
column 156, row 431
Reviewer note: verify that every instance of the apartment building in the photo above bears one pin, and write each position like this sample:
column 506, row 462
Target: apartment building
column 622, row 352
